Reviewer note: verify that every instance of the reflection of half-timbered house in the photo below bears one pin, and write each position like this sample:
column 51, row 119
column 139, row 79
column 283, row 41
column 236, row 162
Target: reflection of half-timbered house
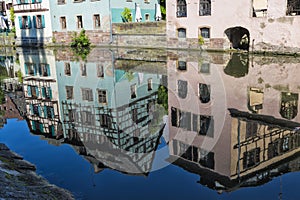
column 40, row 88
column 102, row 107
column 238, row 131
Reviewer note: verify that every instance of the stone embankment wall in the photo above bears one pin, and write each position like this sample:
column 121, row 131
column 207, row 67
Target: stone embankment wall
column 18, row 180
column 145, row 34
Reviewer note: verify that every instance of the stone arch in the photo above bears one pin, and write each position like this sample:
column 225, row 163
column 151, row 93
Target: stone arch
column 239, row 37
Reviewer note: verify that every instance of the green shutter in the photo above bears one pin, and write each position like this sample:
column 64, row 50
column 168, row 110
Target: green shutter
column 31, row 109
column 34, row 21
column 37, row 92
column 41, row 127
column 52, row 130
column 29, row 90
column 52, row 112
column 43, row 21
column 18, row 1
column 45, row 112
column 40, row 111
column 35, row 69
column 48, row 70
column 33, row 125
column 29, row 21
column 50, row 92
column 20, row 22
column 43, row 92
column 26, row 69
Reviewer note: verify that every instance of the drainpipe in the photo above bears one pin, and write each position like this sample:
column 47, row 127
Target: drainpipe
column 110, row 22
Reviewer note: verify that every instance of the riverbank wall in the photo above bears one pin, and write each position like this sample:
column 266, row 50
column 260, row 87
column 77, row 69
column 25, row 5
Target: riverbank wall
column 150, row 35
column 18, row 180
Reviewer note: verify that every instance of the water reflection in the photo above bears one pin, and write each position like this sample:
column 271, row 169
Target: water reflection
column 247, row 134
column 233, row 125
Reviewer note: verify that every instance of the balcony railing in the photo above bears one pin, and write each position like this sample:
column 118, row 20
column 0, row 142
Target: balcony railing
column 29, row 7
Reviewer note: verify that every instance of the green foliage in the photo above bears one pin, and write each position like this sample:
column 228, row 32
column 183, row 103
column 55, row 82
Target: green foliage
column 163, row 8
column 81, row 44
column 12, row 15
column 126, row 15
column 200, row 40
column 20, row 76
column 163, row 97
column 129, row 75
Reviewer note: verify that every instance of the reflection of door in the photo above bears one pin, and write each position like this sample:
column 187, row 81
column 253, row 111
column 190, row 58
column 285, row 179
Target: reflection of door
column 289, row 105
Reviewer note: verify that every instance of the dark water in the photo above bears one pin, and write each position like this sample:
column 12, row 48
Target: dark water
column 149, row 124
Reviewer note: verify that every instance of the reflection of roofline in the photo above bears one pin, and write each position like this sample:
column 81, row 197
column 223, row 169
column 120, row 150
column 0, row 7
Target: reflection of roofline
column 264, row 119
column 229, row 184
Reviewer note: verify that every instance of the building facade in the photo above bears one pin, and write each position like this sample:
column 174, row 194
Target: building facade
column 33, row 22
column 258, row 25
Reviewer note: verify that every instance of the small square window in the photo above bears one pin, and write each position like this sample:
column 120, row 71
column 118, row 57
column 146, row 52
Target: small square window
column 102, row 98
column 63, row 22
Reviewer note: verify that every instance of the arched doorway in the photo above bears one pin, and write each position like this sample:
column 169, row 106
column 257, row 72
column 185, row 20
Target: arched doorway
column 239, row 37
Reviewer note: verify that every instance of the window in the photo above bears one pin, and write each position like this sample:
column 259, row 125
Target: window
column 67, row 69
column 79, row 22
column 181, row 8
column 204, row 7
column 251, row 129
column 289, row 105
column 102, row 96
column 83, row 69
column 133, row 91
column 87, row 94
column 25, row 22
column 259, row 8
column 293, row 7
column 69, row 92
column 182, row 88
column 206, row 125
column 63, row 22
column 97, row 23
column 149, row 84
column 30, row 69
column 61, row 2
column 46, row 92
column 147, row 17
column 181, row 65
column 44, row 69
column 39, row 21
column 204, row 93
column 181, row 32
column 134, row 115
column 205, row 32
column 100, row 71
column 147, row 1
column 49, row 112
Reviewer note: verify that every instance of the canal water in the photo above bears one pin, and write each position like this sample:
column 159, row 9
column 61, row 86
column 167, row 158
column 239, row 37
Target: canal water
column 155, row 124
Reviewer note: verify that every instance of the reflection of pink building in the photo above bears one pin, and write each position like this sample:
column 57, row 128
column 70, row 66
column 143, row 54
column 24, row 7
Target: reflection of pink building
column 263, row 25
column 237, row 143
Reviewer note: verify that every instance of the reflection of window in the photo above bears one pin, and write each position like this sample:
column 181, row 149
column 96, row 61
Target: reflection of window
column 205, row 68
column 181, row 65
column 44, row 69
column 67, row 69
column 251, row 128
column 87, row 118
column 134, row 115
column 182, row 88
column 102, row 96
column 79, row 22
column 63, row 22
column 105, row 121
column 97, row 23
column 181, row 33
column 72, row 115
column 83, row 69
column 204, row 93
column 205, row 32
column 149, row 84
column 69, row 92
column 133, row 91
column 273, row 149
column 206, row 125
column 87, row 94
column 204, row 7
column 181, row 8
column 100, row 71
column 251, row 158
column 289, row 105
column 255, row 99
column 60, row 2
